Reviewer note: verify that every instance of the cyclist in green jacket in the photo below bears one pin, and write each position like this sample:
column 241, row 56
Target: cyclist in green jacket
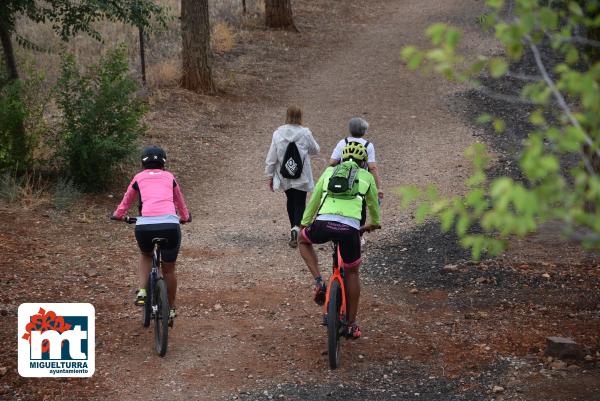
column 333, row 216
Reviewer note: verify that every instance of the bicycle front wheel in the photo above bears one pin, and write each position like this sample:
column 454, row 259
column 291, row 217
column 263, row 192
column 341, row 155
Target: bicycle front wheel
column 334, row 324
column 161, row 319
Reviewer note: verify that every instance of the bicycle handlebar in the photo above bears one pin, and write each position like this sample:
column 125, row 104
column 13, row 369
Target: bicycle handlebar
column 368, row 228
column 133, row 220
column 126, row 219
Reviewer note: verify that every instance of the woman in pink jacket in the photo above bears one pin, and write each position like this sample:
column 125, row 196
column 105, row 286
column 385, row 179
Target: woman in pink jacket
column 160, row 199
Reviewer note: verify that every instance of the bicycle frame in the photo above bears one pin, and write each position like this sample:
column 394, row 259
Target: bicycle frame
column 338, row 274
column 157, row 296
column 155, row 274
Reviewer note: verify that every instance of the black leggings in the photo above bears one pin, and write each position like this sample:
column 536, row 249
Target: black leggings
column 296, row 202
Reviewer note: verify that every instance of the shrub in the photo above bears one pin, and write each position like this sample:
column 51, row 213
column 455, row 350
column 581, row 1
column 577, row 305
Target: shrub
column 222, row 38
column 164, row 74
column 101, row 118
column 28, row 189
column 9, row 187
column 65, row 194
column 13, row 147
column 20, row 121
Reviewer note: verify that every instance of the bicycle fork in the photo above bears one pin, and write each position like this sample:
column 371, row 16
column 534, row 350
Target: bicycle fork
column 337, row 277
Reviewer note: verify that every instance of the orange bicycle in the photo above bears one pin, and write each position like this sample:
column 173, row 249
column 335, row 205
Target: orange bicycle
column 335, row 308
column 335, row 305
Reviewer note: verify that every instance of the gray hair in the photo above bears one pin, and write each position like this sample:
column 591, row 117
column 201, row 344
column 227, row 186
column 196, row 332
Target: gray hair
column 357, row 126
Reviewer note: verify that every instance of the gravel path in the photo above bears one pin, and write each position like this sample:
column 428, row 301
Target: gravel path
column 237, row 251
column 247, row 328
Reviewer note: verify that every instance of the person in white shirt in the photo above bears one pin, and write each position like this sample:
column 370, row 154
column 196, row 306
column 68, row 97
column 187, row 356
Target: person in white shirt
column 295, row 189
column 358, row 128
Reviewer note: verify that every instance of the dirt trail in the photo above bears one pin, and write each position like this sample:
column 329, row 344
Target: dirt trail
column 264, row 329
column 247, row 327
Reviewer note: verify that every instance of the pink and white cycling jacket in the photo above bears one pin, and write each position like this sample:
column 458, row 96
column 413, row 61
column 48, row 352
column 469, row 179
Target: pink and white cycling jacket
column 159, row 196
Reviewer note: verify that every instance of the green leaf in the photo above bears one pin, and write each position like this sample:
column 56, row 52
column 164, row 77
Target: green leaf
column 498, row 67
column 575, row 9
column 520, row 198
column 527, row 21
column 537, row 118
column 422, row 212
column 483, row 118
column 494, row 246
column 437, row 55
column 526, row 5
column 435, row 33
column 499, row 125
column 572, row 55
column 476, row 179
column 408, row 195
column 478, row 66
column 497, row 4
column 452, row 38
column 432, row 193
column 439, row 206
column 572, row 139
column 475, row 197
column 475, row 242
column 447, row 219
column 549, row 164
column 407, row 52
column 548, row 18
column 477, row 154
column 500, row 186
column 463, row 224
column 486, row 20
column 415, row 61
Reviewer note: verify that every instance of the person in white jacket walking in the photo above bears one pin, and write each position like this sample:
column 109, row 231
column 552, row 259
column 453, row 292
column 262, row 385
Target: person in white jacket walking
column 295, row 189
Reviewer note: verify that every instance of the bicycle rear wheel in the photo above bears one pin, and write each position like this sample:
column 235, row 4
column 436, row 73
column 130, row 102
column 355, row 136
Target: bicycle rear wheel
column 147, row 313
column 161, row 319
column 334, row 324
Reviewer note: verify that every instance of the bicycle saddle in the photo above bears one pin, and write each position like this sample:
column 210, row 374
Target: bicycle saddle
column 160, row 241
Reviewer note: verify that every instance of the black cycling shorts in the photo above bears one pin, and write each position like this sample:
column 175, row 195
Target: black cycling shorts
column 348, row 238
column 145, row 233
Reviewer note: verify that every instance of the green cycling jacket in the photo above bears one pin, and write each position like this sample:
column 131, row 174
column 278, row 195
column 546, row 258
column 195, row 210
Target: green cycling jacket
column 321, row 203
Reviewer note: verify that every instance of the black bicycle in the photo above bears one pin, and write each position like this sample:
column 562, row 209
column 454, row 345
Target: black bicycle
column 156, row 306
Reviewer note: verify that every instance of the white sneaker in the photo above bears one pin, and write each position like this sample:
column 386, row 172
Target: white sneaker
column 294, row 236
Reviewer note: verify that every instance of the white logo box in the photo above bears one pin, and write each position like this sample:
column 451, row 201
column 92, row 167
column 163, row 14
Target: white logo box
column 32, row 363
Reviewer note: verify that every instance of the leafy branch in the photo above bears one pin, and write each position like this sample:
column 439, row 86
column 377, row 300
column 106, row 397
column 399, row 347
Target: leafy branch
column 492, row 210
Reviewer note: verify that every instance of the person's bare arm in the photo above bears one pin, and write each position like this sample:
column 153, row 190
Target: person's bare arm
column 373, row 170
column 334, row 162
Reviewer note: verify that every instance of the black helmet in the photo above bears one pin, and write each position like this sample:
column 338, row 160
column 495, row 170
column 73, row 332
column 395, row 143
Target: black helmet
column 153, row 157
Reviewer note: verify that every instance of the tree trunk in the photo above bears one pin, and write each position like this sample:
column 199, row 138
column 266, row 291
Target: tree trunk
column 278, row 14
column 195, row 32
column 142, row 55
column 9, row 54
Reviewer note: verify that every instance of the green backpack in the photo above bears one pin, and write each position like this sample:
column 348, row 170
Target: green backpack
column 343, row 183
